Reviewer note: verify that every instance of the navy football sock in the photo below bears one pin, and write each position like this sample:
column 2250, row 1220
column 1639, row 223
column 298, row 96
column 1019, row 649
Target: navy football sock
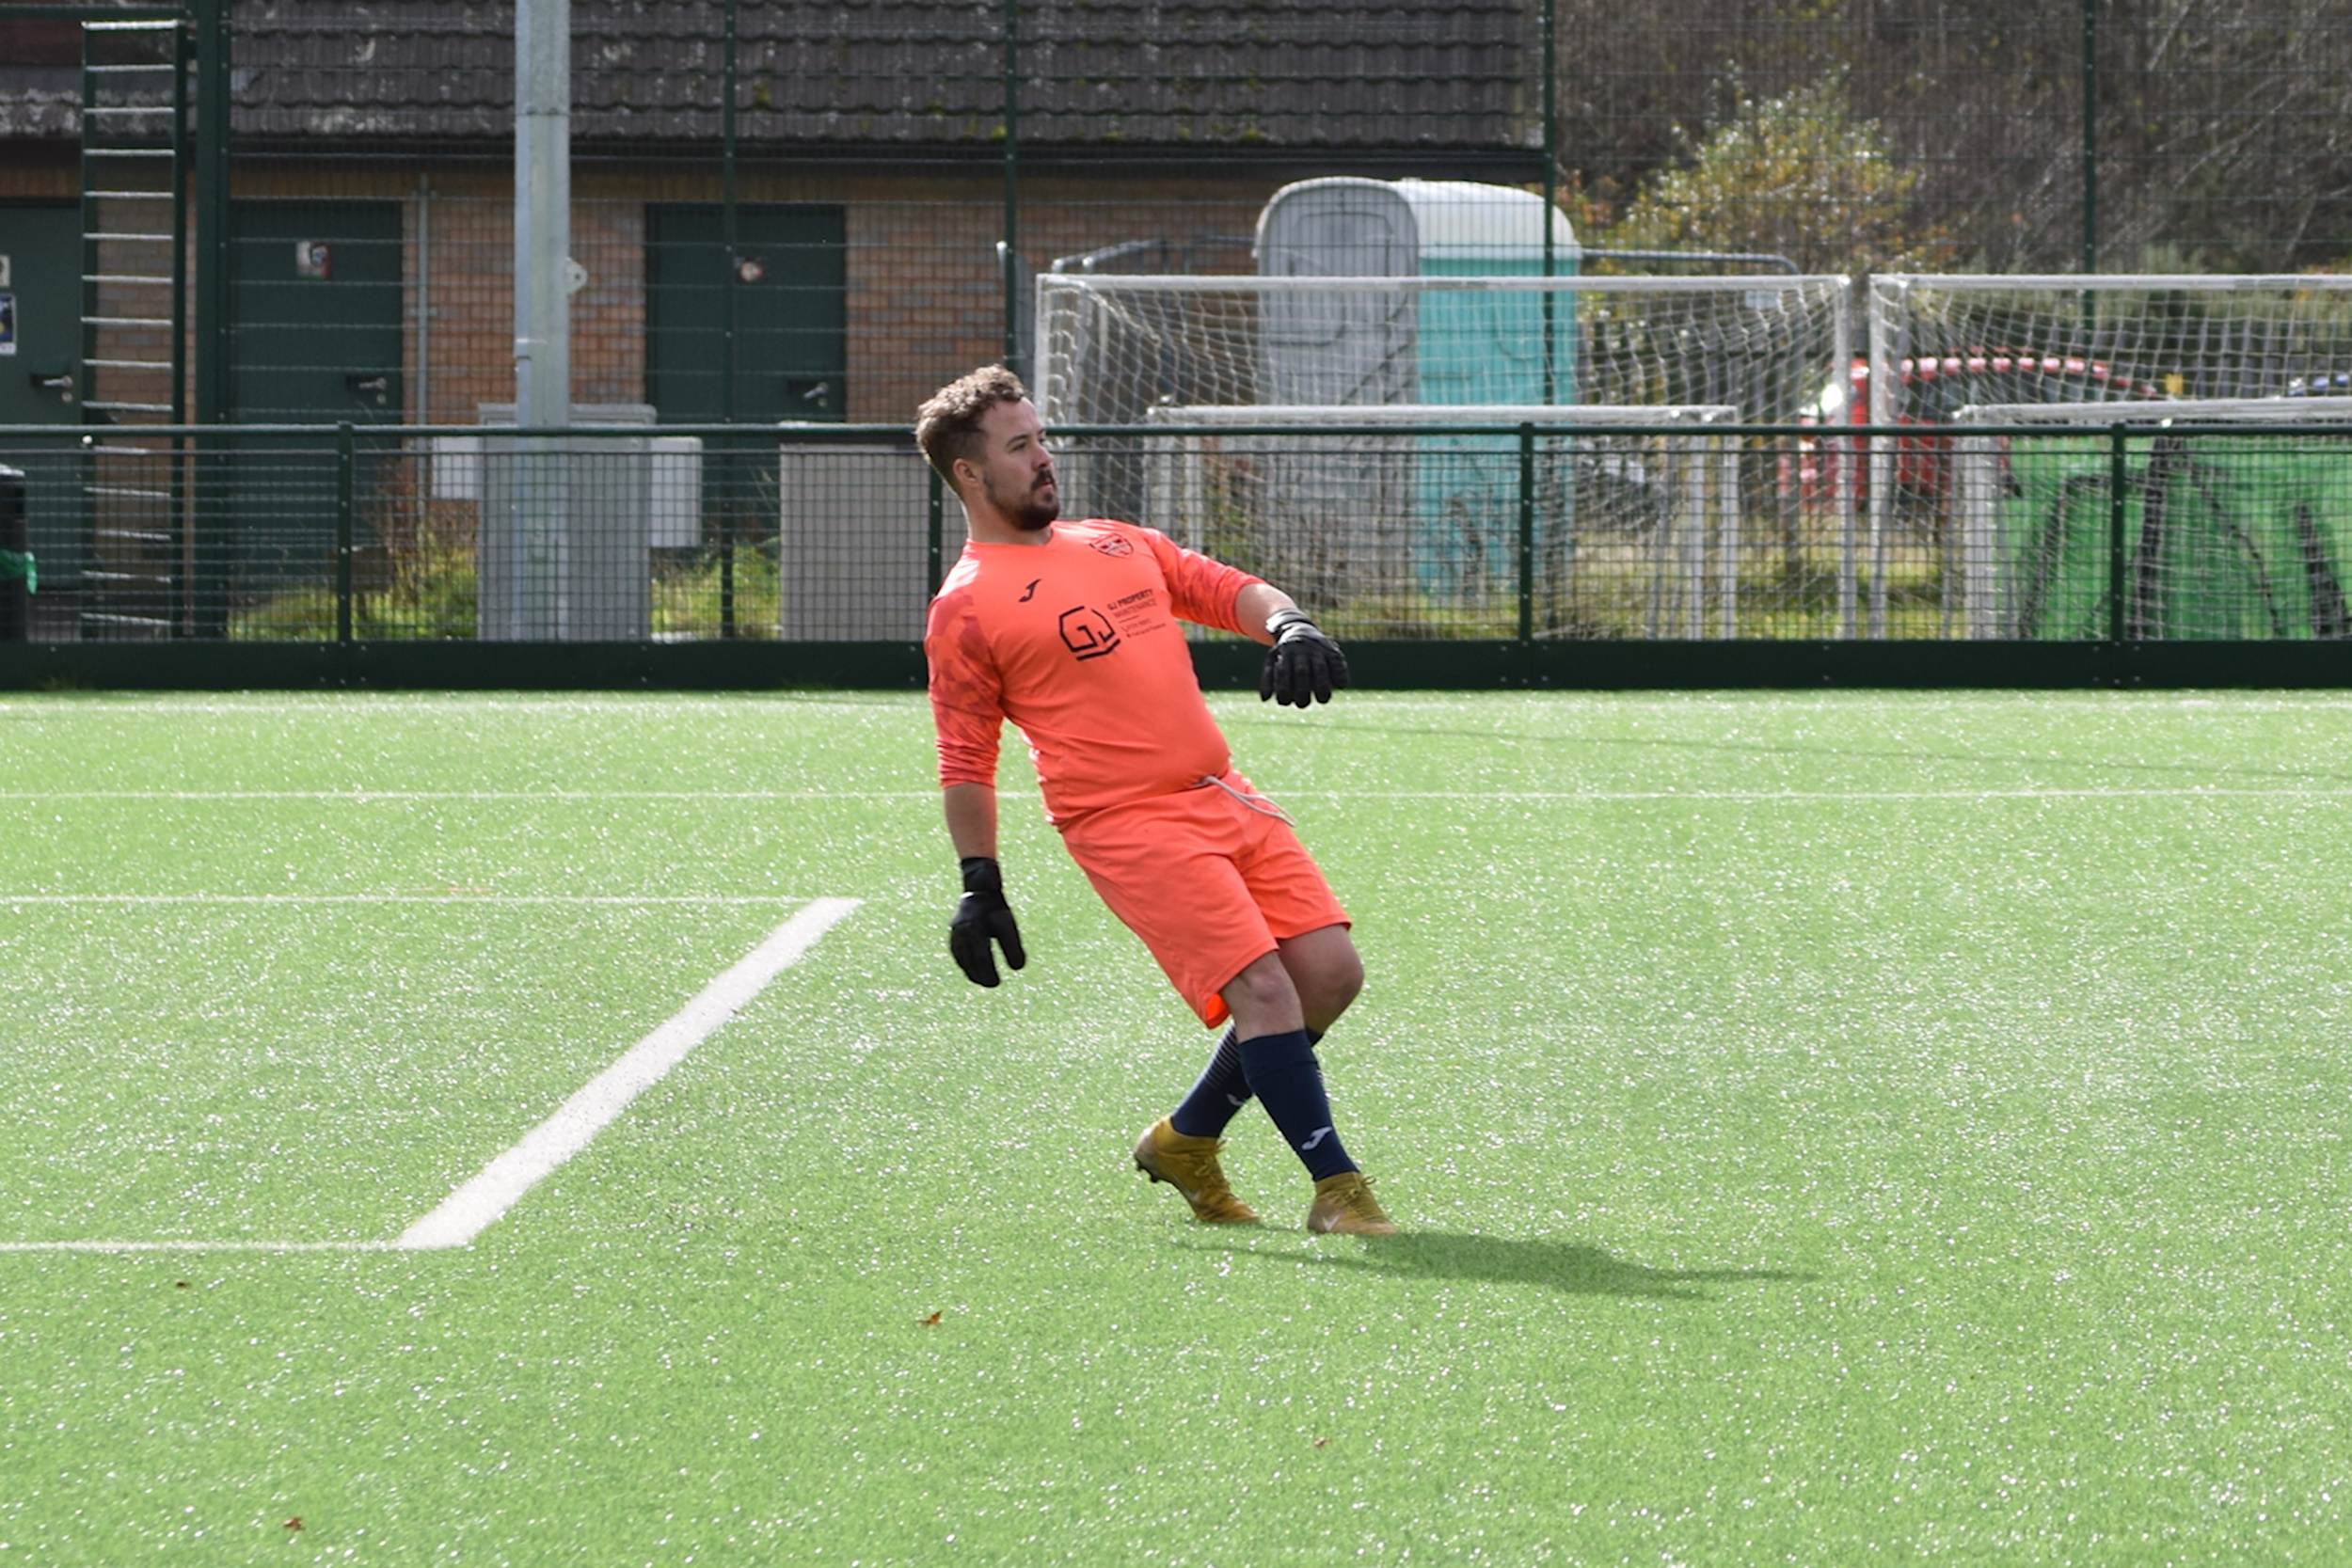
column 1221, row 1092
column 1284, row 1073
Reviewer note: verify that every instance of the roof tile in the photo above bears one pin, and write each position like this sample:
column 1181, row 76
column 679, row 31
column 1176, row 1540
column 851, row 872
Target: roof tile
column 1440, row 73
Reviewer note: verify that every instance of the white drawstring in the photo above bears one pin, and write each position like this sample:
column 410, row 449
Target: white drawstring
column 1258, row 803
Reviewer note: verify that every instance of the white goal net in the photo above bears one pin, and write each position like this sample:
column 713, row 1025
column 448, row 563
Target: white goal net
column 1111, row 348
column 1984, row 339
column 1351, row 437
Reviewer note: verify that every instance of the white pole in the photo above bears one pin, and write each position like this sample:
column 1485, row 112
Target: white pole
column 543, row 343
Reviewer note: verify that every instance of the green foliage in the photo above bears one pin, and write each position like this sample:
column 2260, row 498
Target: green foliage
column 1799, row 176
column 425, row 588
column 422, row 586
column 687, row 596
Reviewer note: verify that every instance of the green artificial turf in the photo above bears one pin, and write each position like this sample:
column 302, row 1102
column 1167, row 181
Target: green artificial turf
column 1828, row 1128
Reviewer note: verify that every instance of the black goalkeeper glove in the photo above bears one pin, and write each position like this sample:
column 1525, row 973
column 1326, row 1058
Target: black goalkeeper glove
column 1303, row 663
column 982, row 915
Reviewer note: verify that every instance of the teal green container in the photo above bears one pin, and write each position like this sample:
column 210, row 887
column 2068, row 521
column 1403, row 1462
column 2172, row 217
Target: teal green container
column 1441, row 347
column 1471, row 347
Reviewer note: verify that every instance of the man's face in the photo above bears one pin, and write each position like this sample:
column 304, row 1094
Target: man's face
column 1016, row 470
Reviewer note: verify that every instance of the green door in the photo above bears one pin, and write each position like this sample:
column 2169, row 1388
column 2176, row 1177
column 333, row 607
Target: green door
column 40, row 350
column 790, row 309
column 314, row 308
column 314, row 338
column 40, row 313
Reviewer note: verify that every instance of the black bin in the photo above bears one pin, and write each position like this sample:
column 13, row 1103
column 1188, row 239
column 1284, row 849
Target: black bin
column 16, row 559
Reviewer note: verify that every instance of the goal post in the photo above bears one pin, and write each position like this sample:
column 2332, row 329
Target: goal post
column 1109, row 348
column 2230, row 531
column 1417, row 533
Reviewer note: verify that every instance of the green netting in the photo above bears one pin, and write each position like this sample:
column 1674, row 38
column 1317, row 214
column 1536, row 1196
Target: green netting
column 2224, row 537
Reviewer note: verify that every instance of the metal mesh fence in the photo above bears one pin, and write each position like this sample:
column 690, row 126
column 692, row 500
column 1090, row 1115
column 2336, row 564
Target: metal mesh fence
column 791, row 223
column 1633, row 527
column 2209, row 528
column 624, row 533
column 2004, row 136
column 1634, row 524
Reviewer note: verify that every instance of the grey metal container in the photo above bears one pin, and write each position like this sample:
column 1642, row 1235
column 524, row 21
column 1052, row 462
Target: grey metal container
column 565, row 525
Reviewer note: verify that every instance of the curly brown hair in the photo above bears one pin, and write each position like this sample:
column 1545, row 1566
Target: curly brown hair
column 948, row 426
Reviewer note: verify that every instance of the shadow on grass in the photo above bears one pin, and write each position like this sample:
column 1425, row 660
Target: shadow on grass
column 1564, row 1266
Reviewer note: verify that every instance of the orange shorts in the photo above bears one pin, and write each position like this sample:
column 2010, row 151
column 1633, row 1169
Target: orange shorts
column 1209, row 883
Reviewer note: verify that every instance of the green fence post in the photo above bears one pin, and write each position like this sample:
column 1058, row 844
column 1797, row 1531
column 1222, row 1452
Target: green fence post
column 2118, row 481
column 730, row 477
column 1526, row 532
column 938, row 516
column 1551, row 167
column 731, row 238
column 343, row 531
column 1012, row 183
column 2091, row 137
column 212, row 522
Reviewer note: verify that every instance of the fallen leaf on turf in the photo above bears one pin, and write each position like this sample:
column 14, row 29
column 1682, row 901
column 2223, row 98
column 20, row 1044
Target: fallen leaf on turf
column 931, row 1321
column 294, row 1522
column 1323, row 1442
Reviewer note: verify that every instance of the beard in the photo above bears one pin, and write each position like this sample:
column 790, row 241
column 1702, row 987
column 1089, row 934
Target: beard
column 1031, row 512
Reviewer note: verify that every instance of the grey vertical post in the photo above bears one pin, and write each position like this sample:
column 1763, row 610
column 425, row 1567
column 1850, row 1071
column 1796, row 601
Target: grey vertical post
column 543, row 346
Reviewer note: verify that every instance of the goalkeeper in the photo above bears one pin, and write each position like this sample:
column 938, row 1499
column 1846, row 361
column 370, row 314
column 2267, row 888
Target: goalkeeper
column 1069, row 630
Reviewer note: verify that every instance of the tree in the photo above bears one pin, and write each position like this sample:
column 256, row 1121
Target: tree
column 1797, row 175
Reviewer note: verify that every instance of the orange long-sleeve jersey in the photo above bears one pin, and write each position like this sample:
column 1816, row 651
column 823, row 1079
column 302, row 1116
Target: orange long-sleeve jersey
column 1076, row 642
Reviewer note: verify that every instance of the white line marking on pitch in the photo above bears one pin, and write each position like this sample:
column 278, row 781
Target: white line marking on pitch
column 200, row 1246
column 466, row 1213
column 545, row 797
column 576, row 900
column 480, row 1203
column 925, row 795
column 1770, row 796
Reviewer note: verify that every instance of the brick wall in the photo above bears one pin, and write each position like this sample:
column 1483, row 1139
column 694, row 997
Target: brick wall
column 923, row 298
